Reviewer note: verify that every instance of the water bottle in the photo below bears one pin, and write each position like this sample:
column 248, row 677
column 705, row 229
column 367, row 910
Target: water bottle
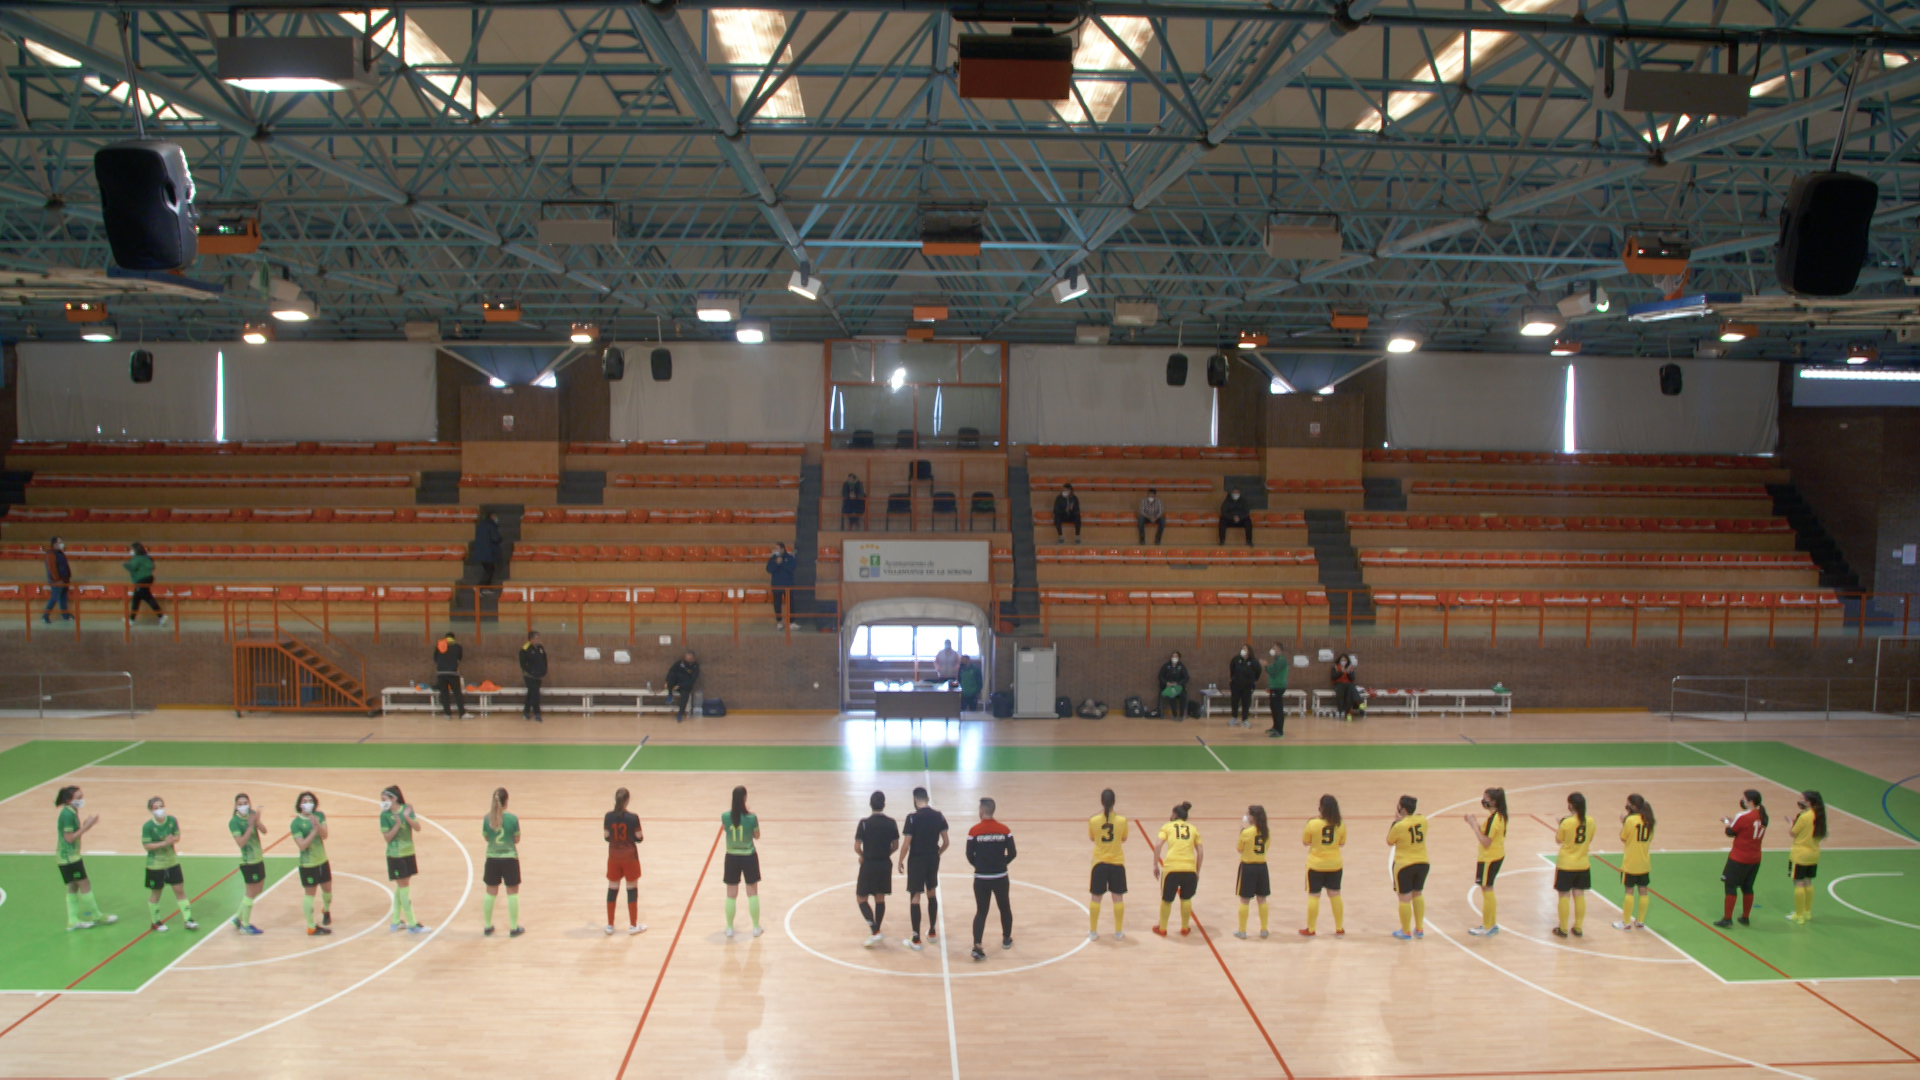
column 699, row 700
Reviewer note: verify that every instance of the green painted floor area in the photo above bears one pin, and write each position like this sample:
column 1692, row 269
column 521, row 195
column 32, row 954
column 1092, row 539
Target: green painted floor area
column 37, row 952
column 1889, row 805
column 33, row 763
column 1840, row 943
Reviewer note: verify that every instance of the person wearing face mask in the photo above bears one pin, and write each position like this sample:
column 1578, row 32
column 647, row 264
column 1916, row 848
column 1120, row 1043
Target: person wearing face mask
column 1235, row 514
column 1151, row 512
column 1493, row 855
column 1066, row 511
column 83, row 912
column 1173, row 687
column 1743, row 862
column 1277, row 690
column 161, row 838
column 247, row 830
column 59, row 579
column 1573, row 869
column 1809, row 828
column 1243, row 673
column 1636, row 863
column 397, row 821
column 1177, row 868
column 139, row 567
column 1323, row 838
column 309, row 832
column 1346, row 693
column 1253, row 882
column 853, row 503
column 1408, row 839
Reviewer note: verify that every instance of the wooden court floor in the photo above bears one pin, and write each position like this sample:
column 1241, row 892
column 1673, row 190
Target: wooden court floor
column 1838, row 998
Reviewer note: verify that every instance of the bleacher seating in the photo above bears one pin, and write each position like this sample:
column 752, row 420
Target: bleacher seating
column 704, row 480
column 775, row 449
column 1513, row 457
column 1146, row 453
column 227, row 449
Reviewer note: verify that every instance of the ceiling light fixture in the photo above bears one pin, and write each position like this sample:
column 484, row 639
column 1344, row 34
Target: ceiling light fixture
column 1737, row 331
column 1326, row 390
column 295, row 65
column 1862, row 353
column 805, row 286
column 583, row 333
column 898, row 379
column 752, row 332
column 1564, row 347
column 299, row 309
column 99, row 332
column 1683, row 307
column 1539, row 322
column 86, row 311
column 496, row 382
column 257, row 333
column 929, row 312
column 1070, row 288
column 1136, row 313
column 548, row 381
column 1852, row 375
column 502, row 310
column 1402, row 343
column 717, row 307
column 1251, row 340
column 746, row 40
column 1090, row 334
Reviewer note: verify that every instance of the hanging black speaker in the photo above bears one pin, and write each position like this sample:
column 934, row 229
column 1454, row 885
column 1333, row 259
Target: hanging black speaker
column 662, row 361
column 1177, row 369
column 140, row 366
column 1670, row 380
column 613, row 364
column 1823, row 233
column 1217, row 369
column 146, row 204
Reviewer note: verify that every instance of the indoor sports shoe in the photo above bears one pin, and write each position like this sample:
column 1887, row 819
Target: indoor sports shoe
column 1557, row 932
column 979, row 953
column 1241, row 934
column 1577, row 932
column 1745, row 921
column 488, row 932
column 1006, row 943
column 1185, row 931
column 159, row 928
column 1263, row 933
column 515, row 932
column 1339, row 933
column 251, row 930
column 1308, row 933
column 1623, row 926
column 318, row 931
column 912, row 943
column 1092, row 935
column 609, row 929
column 872, row 940
column 1723, row 923
column 729, row 932
column 1402, row 935
column 417, row 928
column 1160, row 930
column 106, row 920
column 396, row 928
column 326, row 917
column 1119, row 936
column 638, row 928
column 71, row 927
column 758, row 930
column 1420, row 933
column 1480, row 931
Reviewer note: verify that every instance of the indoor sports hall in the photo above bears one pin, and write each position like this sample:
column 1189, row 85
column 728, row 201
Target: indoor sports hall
column 1215, row 539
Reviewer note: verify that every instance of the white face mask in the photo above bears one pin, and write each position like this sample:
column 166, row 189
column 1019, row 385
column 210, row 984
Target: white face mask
column 160, row 812
column 77, row 803
column 1246, row 819
column 1244, row 652
column 243, row 810
column 306, row 808
column 386, row 804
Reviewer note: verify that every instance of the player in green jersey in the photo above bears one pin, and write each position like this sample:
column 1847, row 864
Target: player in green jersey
column 247, row 829
column 160, row 837
column 83, row 912
column 502, row 833
column 309, row 832
column 397, row 820
column 742, row 861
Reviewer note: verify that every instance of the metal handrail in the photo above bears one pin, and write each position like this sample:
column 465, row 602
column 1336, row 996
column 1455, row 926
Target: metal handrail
column 1747, row 700
column 41, row 697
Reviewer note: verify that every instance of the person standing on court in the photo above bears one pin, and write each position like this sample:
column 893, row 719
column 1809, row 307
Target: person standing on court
column 1408, row 839
column 83, row 911
column 923, row 840
column 246, row 828
column 875, row 840
column 1277, row 690
column 971, row 682
column 139, row 568
column 1177, row 868
column 1066, row 511
column 59, row 578
column 681, row 678
column 1173, row 687
column 780, row 566
column 160, row 838
column 621, row 827
column 742, row 862
column 487, row 546
column 946, row 664
column 1573, row 869
column 533, row 670
column 501, row 831
column 1243, row 674
column 1235, row 514
column 990, row 850
column 309, row 832
column 397, row 821
column 1743, row 862
column 446, row 676
column 1151, row 512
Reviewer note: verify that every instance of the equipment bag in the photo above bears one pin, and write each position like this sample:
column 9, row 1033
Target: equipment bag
column 1093, row 710
column 713, row 706
column 1134, row 706
column 1063, row 706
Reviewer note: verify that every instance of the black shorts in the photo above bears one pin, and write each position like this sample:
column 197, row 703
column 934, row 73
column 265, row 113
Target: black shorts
column 1805, row 871
column 1485, row 873
column 1739, row 876
column 741, row 866
column 401, row 866
column 1411, row 878
column 1324, row 879
column 165, row 876
column 1570, row 880
column 501, row 872
column 1108, row 878
column 876, row 878
column 316, row 875
column 923, row 875
column 1635, row 881
column 1181, row 883
column 253, row 873
column 1254, row 881
column 73, row 871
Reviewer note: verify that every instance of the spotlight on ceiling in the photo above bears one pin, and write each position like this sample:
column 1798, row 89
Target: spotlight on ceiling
column 1602, row 303
column 898, row 379
column 1326, row 390
column 257, row 333
column 1539, row 322
column 496, row 382
column 1070, row 288
column 86, row 311
column 1736, row 331
column 931, row 311
column 295, row 65
column 1136, row 313
column 805, row 286
column 290, row 304
column 751, row 332
column 1402, row 343
column 1250, row 339
column 1564, row 347
column 1862, row 353
column 717, row 307
column 502, row 310
column 100, row 331
column 1090, row 334
column 583, row 333
column 422, row 330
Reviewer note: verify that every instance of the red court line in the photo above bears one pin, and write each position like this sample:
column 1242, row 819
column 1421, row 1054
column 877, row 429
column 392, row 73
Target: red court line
column 1228, row 972
column 29, row 1016
column 662, row 977
column 1615, row 1069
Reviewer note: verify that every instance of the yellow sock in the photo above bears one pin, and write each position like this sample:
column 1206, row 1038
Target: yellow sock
column 1406, row 917
column 1186, row 914
column 1263, row 916
column 1119, row 915
column 1093, row 919
column 1313, row 913
column 1243, row 916
column 1488, row 904
column 1646, row 901
column 1563, row 913
column 1803, row 902
column 1166, row 909
column 1579, row 910
column 1420, row 913
column 1339, row 913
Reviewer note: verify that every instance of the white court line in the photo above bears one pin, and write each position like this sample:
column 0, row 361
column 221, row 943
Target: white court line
column 946, row 971
column 1683, row 959
column 635, row 754
column 302, row 955
column 81, row 768
column 1864, row 911
column 1084, row 942
column 1908, row 840
column 1451, row 940
column 1209, row 750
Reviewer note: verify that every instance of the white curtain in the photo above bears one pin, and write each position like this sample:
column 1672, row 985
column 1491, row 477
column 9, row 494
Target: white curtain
column 1724, row 407
column 1106, row 395
column 371, row 391
column 722, row 391
column 76, row 393
column 1476, row 401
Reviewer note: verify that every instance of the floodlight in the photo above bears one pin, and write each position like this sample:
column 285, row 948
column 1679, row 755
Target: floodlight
column 717, row 307
column 1402, row 343
column 751, row 332
column 1539, row 322
column 299, row 309
column 583, row 333
column 295, row 65
column 1070, row 288
column 1089, row 334
column 256, row 333
column 100, row 331
column 1862, row 353
column 1250, row 339
column 806, row 286
column 1564, row 347
column 1736, row 331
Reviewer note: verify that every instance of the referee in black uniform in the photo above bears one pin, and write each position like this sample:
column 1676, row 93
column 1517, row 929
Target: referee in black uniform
column 924, row 841
column 875, row 840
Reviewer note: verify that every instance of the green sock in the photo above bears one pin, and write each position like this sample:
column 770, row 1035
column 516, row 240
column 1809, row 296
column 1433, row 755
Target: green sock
column 186, row 909
column 73, row 909
column 486, row 910
column 732, row 904
column 245, row 916
column 306, row 906
column 153, row 911
column 399, row 905
column 753, row 909
column 513, row 910
column 89, row 907
column 326, row 901
column 403, row 898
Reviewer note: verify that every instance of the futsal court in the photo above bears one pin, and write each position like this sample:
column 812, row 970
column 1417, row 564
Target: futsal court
column 1835, row 998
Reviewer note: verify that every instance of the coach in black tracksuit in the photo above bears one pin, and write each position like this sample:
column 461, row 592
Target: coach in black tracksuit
column 1243, row 673
column 446, row 676
column 990, row 849
column 533, row 669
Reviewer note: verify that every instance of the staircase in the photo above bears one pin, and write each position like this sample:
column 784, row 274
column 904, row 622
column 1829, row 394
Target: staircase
column 508, row 516
column 1812, row 538
column 1021, row 615
column 288, row 675
column 805, row 600
column 1339, row 566
column 439, row 488
column 1383, row 493
column 13, row 489
column 583, row 488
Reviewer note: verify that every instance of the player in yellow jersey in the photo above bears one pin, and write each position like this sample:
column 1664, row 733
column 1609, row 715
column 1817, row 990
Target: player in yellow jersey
column 1492, row 838
column 1408, row 839
column 1253, row 882
column 1179, row 868
column 1809, row 828
column 1108, row 831
column 1636, row 863
column 1323, row 838
column 1573, row 870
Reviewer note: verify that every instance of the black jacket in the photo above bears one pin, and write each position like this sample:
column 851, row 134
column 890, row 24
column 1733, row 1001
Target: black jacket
column 1243, row 672
column 1066, row 506
column 1173, row 673
column 682, row 675
column 990, row 849
column 486, row 541
column 533, row 660
column 780, row 567
column 447, row 661
column 1235, row 511
column 1342, row 675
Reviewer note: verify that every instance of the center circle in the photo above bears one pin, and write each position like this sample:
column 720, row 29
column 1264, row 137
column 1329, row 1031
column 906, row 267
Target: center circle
column 979, row 974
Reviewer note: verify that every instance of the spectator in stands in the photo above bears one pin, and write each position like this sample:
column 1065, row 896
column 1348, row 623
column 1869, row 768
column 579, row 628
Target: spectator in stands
column 139, row 567
column 1152, row 512
column 680, row 679
column 780, row 566
column 446, row 676
column 1173, row 687
column 946, row 664
column 971, row 681
column 1066, row 511
column 1346, row 695
column 486, row 546
column 1243, row 673
column 533, row 668
column 1236, row 514
column 59, row 576
column 853, row 503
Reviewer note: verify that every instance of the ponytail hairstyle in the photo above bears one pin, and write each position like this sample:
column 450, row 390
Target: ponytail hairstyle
column 1819, row 807
column 1330, row 810
column 739, row 803
column 1106, row 803
column 1180, row 812
column 1498, row 797
column 1640, row 806
column 620, row 797
column 1409, row 803
column 306, row 796
column 1753, row 803
column 1579, row 804
column 394, row 791
column 65, row 794
column 496, row 814
column 1259, row 816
